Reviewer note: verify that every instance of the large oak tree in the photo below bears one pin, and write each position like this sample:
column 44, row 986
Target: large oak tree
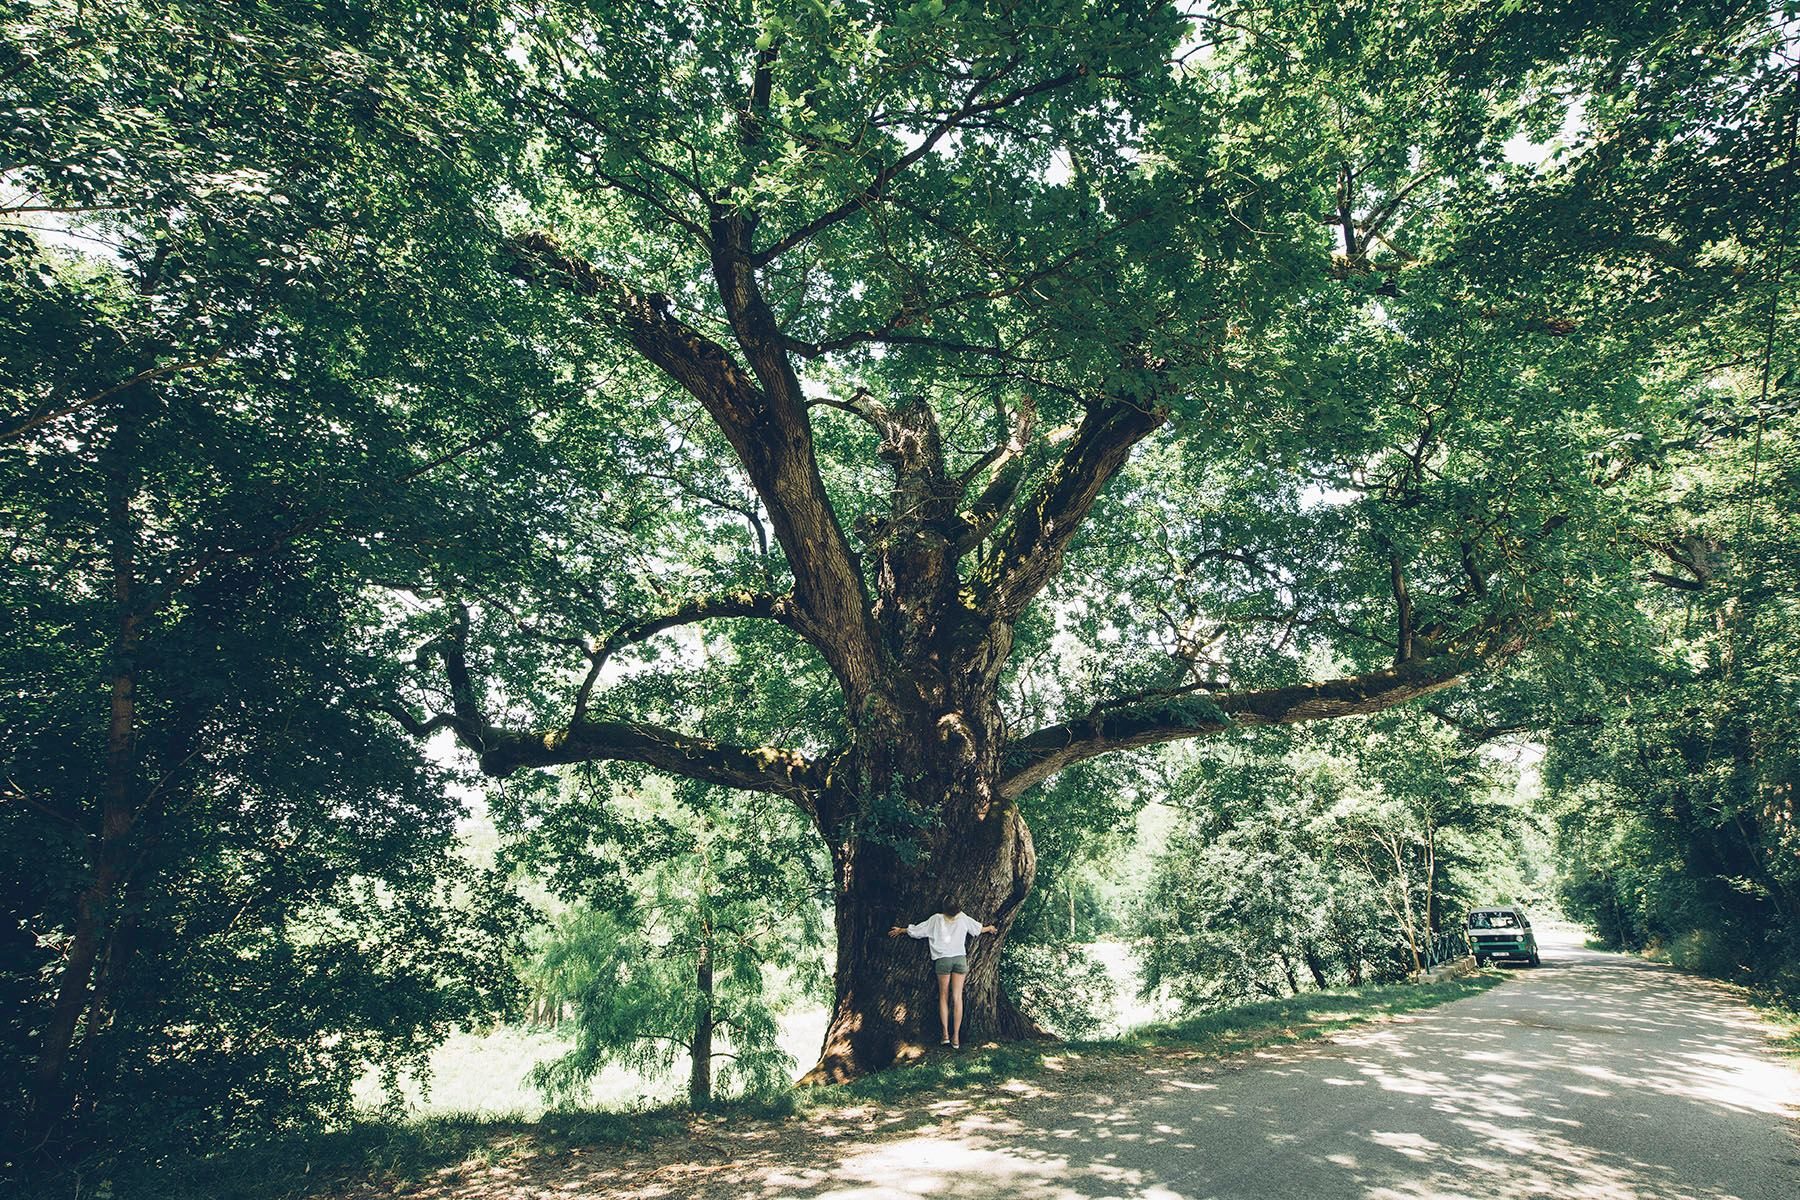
column 1005, row 384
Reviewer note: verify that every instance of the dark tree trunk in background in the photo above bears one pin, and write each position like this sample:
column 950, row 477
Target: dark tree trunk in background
column 1315, row 965
column 701, row 1050
column 109, row 848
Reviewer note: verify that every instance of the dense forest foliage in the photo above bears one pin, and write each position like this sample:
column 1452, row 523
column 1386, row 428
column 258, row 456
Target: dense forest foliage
column 799, row 461
column 1331, row 857
column 1674, row 777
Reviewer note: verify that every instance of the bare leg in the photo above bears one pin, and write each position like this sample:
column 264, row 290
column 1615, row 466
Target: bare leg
column 944, row 1003
column 956, row 987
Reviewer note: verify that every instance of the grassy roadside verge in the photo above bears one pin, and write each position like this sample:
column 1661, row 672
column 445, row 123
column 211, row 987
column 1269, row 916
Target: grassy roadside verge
column 1780, row 1009
column 1247, row 1027
column 1783, row 1012
column 398, row 1154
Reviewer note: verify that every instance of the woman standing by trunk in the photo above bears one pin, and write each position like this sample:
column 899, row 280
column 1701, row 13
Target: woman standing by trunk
column 947, row 932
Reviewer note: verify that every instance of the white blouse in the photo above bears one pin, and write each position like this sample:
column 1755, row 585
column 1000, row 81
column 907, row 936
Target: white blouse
column 946, row 933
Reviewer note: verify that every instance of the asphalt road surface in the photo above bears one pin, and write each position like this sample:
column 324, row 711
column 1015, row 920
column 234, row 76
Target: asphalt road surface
column 1593, row 1077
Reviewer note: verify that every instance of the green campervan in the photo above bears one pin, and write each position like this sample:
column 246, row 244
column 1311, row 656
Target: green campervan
column 1501, row 933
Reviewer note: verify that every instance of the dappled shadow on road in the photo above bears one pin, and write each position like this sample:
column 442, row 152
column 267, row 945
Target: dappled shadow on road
column 1591, row 1077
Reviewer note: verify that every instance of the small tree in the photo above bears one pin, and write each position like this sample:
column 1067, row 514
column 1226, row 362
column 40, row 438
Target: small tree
column 1251, row 898
column 1423, row 792
column 695, row 963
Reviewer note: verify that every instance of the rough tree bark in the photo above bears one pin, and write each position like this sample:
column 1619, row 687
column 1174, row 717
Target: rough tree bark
column 918, row 820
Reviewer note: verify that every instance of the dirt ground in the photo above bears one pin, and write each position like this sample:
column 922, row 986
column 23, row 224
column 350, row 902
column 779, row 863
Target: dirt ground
column 725, row 1158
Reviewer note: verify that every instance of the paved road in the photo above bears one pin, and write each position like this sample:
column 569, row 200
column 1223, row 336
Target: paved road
column 1594, row 1077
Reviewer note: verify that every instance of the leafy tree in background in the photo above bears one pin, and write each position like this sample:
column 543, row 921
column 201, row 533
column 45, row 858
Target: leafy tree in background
column 1250, row 895
column 1671, row 735
column 1673, row 781
column 1082, row 821
column 247, row 371
column 1428, row 794
column 1322, row 860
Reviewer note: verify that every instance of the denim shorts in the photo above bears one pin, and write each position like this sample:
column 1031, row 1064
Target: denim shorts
column 956, row 964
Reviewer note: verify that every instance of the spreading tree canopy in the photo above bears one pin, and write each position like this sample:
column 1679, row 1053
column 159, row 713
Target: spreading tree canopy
column 248, row 339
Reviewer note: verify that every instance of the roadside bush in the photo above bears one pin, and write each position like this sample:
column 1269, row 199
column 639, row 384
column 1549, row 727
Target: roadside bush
column 1064, row 988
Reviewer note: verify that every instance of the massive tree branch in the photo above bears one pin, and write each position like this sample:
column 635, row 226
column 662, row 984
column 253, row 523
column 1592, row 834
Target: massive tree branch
column 502, row 751
column 756, row 769
column 1676, row 581
column 699, row 364
column 700, row 608
column 766, row 426
column 1005, row 464
column 1031, row 548
column 776, row 448
column 1037, row 756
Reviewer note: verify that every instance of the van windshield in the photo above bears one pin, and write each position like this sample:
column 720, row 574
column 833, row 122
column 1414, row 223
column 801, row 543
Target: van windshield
column 1493, row 920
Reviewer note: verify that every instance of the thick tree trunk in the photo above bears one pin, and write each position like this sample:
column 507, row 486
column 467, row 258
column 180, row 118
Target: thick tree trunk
column 925, row 826
column 886, row 1004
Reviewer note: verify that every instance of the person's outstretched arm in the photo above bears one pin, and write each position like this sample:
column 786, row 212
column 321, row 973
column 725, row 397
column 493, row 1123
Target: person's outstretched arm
column 917, row 931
